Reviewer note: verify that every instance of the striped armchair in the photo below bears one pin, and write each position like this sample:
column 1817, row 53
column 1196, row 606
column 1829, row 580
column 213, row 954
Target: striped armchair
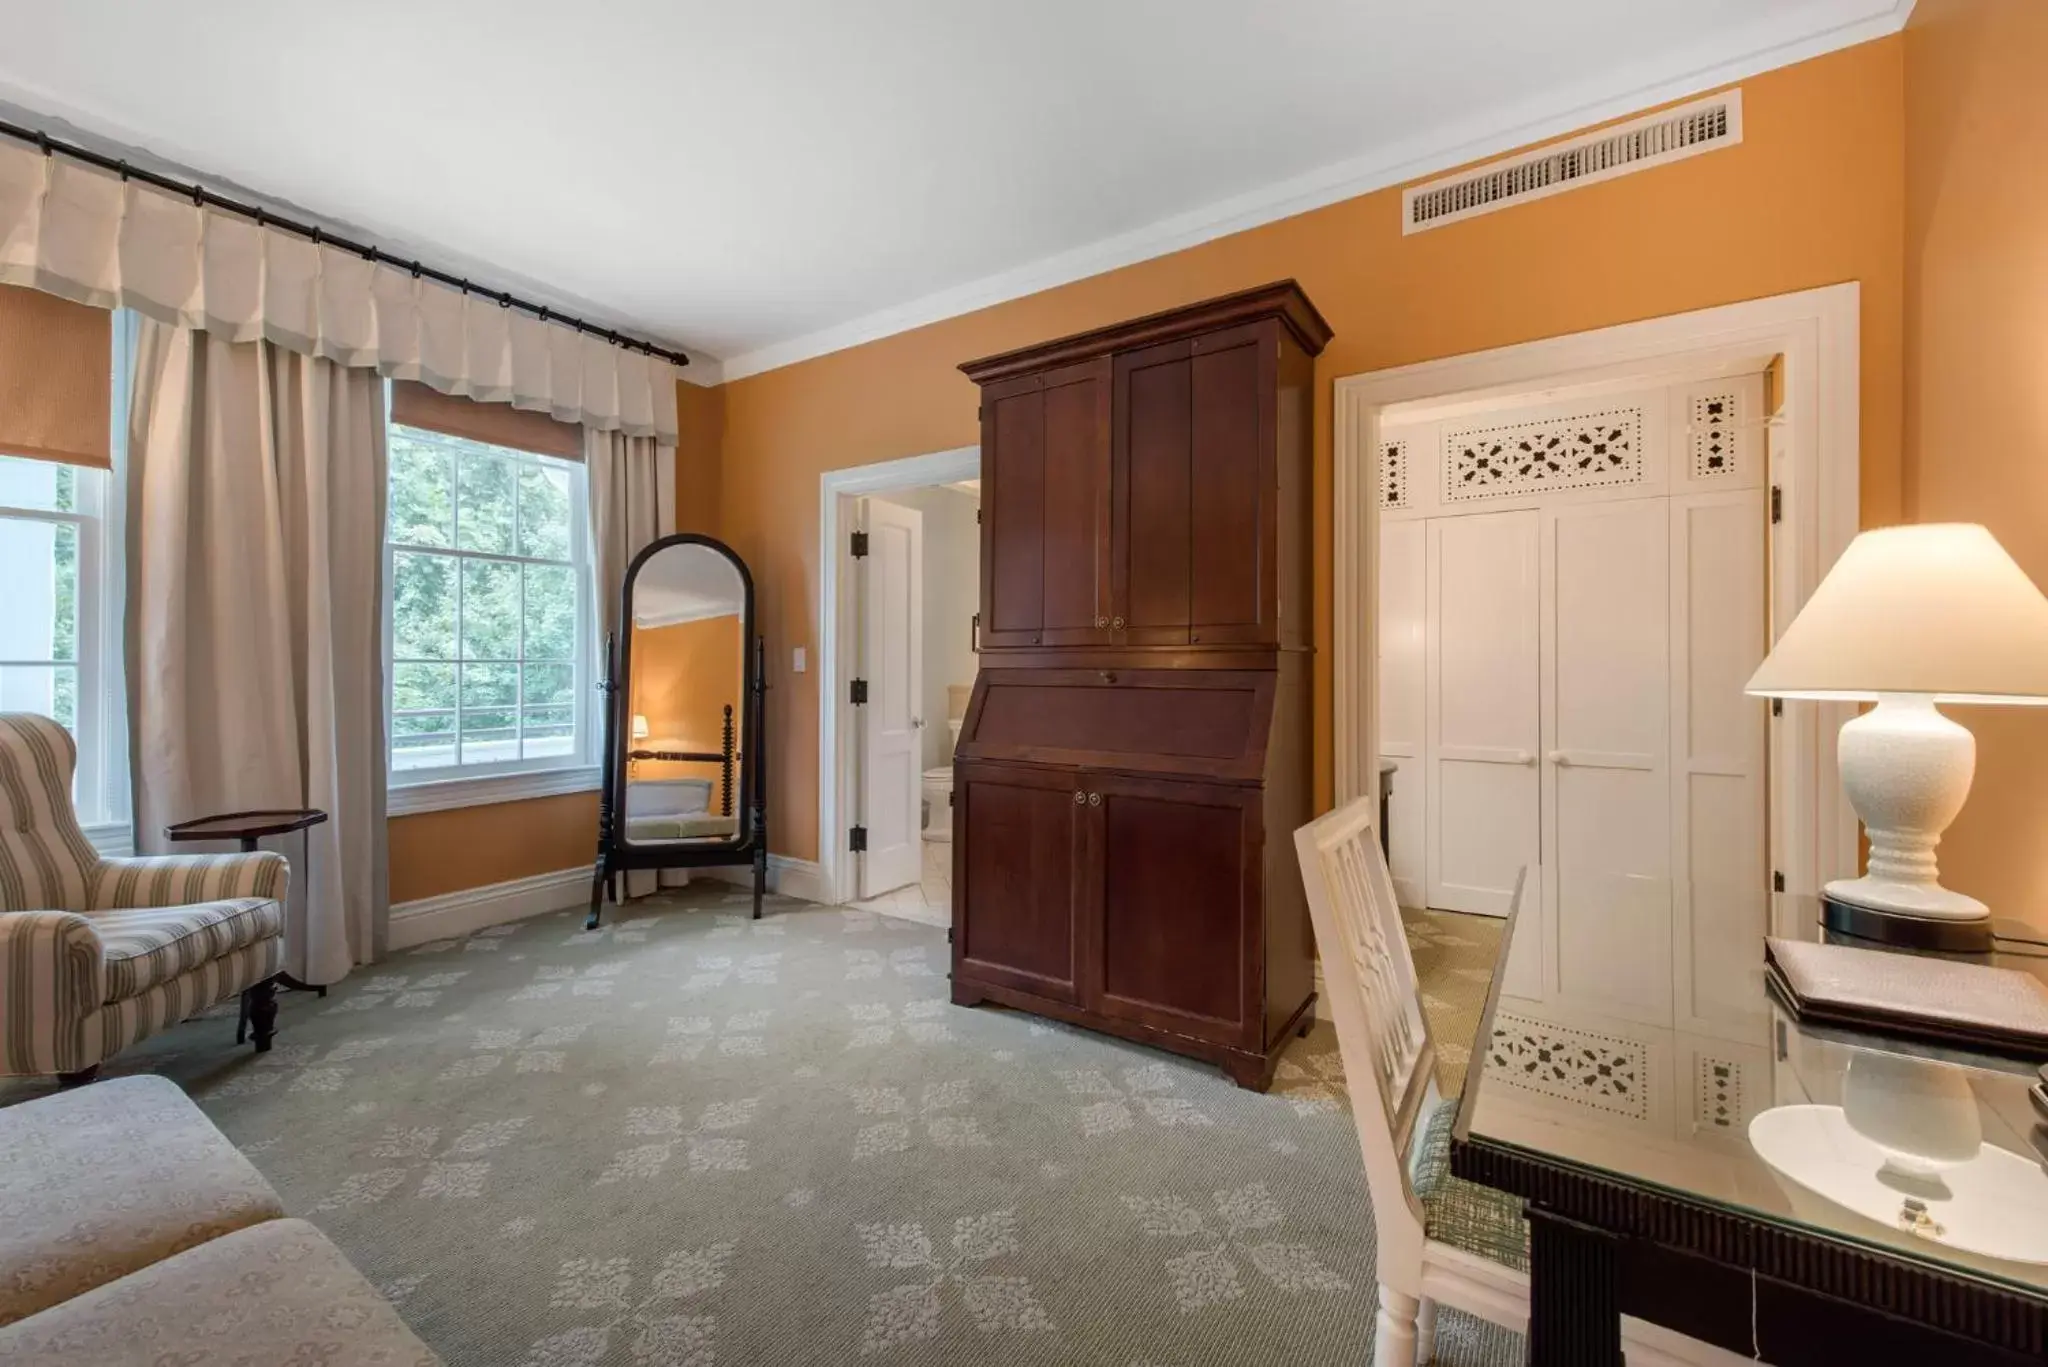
column 98, row 953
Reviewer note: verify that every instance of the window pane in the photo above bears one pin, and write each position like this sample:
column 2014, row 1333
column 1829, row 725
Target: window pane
column 39, row 484
column 417, row 687
column 550, row 684
column 490, row 686
column 422, row 606
column 51, row 690
column 422, row 491
column 490, row 610
column 488, row 495
column 490, row 737
column 544, row 512
column 422, row 742
column 550, row 731
column 550, row 612
column 39, row 567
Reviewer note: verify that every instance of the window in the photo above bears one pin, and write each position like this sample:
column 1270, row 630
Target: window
column 58, row 655
column 489, row 622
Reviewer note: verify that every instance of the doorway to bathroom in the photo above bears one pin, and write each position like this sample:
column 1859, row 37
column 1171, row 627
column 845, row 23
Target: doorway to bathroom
column 903, row 654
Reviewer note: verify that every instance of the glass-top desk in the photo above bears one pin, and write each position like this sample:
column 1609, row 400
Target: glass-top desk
column 1712, row 1181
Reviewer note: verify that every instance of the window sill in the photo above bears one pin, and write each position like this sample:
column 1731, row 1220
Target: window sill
column 443, row 795
column 113, row 839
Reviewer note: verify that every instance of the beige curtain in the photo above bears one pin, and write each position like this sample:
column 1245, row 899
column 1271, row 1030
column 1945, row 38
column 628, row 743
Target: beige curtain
column 255, row 615
column 632, row 502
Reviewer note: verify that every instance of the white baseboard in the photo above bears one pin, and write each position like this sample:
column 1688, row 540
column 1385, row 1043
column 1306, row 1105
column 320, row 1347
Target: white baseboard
column 802, row 879
column 455, row 914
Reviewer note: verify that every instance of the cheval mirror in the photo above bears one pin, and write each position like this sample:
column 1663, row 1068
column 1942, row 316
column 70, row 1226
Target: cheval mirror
column 683, row 687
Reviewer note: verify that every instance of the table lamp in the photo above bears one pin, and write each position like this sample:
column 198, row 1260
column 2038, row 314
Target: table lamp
column 1910, row 617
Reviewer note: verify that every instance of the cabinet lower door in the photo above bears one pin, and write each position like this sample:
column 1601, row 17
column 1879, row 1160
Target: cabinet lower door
column 1019, row 833
column 1173, row 873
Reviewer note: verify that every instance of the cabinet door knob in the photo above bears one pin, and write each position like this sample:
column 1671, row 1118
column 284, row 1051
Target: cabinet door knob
column 1101, row 622
column 1080, row 798
column 1559, row 757
column 1095, row 799
column 1117, row 622
column 1524, row 757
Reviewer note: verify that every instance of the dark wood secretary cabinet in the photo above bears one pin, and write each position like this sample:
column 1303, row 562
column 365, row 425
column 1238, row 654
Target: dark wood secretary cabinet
column 1135, row 758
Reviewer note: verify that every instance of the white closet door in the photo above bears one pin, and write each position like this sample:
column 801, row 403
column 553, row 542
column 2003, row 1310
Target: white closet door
column 1606, row 698
column 1404, row 616
column 1721, row 879
column 1483, row 737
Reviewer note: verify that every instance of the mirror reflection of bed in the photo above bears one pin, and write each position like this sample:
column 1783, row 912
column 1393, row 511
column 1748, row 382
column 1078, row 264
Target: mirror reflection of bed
column 683, row 773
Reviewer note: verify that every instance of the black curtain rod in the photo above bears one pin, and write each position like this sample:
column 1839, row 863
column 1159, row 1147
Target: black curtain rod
column 199, row 194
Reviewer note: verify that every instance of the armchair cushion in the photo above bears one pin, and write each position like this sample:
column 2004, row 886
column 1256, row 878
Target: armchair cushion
column 151, row 945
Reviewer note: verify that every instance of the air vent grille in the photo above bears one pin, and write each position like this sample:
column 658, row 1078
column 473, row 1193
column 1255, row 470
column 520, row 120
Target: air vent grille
column 1703, row 126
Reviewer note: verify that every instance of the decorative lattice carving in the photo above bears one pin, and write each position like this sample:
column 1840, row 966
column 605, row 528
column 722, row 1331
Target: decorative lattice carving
column 1394, row 475
column 1604, row 1072
column 1720, row 1093
column 1586, row 451
column 1713, row 436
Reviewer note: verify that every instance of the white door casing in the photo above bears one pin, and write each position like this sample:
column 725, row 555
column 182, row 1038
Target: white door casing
column 892, row 662
column 1483, row 735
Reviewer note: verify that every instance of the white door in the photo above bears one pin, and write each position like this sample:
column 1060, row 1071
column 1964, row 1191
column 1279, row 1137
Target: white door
column 1606, row 775
column 892, row 662
column 1483, row 735
column 1404, row 620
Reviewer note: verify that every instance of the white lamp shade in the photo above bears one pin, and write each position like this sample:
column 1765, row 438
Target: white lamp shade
column 639, row 727
column 1938, row 609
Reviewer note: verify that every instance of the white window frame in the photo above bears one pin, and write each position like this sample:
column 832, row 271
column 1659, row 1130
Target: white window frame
column 100, row 787
column 469, row 785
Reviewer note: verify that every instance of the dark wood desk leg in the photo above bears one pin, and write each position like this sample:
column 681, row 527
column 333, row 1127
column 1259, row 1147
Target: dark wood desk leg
column 1574, row 1294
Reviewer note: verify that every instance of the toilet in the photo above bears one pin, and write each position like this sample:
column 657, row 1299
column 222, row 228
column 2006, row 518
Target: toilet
column 938, row 793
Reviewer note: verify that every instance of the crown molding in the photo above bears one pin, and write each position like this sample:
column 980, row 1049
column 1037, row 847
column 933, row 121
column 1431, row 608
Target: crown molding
column 1808, row 31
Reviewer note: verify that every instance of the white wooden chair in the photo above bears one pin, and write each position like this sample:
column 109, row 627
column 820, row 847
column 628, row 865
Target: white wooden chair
column 1442, row 1240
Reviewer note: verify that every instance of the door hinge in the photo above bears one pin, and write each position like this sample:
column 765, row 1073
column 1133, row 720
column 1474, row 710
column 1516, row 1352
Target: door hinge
column 860, row 545
column 1777, row 707
column 949, row 935
column 857, row 840
column 1777, row 505
column 1777, row 881
column 977, row 517
column 860, row 692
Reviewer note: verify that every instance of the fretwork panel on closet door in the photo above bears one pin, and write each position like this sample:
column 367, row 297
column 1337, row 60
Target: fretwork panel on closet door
column 1720, row 872
column 1483, row 731
column 1606, row 736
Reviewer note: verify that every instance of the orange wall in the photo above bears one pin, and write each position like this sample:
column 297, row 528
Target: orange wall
column 1813, row 196
column 1976, row 372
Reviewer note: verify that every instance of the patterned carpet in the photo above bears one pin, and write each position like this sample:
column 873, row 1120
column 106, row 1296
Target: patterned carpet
column 692, row 1139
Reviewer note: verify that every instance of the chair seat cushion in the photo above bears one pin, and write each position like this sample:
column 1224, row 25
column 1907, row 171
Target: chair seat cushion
column 275, row 1293
column 150, row 945
column 1465, row 1215
column 101, row 1180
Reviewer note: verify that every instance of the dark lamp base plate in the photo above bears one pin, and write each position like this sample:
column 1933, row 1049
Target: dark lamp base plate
column 1906, row 932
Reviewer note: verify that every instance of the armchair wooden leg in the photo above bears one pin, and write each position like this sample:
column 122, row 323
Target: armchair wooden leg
column 1425, row 1332
column 79, row 1078
column 1393, row 1342
column 261, row 1003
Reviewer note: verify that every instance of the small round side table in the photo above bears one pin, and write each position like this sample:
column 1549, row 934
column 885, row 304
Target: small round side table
column 248, row 828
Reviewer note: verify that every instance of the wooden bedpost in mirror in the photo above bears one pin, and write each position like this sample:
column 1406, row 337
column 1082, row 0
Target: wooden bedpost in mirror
column 683, row 689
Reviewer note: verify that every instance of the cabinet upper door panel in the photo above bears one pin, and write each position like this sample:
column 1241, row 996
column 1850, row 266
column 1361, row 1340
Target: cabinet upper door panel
column 1045, row 501
column 1194, row 495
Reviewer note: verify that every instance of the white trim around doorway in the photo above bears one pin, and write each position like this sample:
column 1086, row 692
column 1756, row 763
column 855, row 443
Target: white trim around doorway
column 836, row 622
column 1814, row 457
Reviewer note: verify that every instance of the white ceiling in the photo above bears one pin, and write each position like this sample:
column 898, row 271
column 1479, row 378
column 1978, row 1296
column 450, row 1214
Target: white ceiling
column 763, row 180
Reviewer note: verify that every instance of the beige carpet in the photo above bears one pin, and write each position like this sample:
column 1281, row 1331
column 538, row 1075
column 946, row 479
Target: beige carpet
column 693, row 1139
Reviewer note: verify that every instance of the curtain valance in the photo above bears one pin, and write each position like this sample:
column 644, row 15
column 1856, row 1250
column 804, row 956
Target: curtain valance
column 85, row 234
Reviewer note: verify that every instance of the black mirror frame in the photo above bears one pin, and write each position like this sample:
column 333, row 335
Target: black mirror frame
column 615, row 853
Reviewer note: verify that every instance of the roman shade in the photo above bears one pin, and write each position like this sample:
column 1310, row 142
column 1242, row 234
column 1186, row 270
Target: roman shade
column 74, row 230
column 495, row 424
column 56, row 378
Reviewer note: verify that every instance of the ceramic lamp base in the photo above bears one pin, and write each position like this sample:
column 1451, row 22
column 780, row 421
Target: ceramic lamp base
column 1906, row 769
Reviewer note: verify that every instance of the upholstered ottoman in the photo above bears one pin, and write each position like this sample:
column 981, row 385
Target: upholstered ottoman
column 277, row 1292
column 102, row 1180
